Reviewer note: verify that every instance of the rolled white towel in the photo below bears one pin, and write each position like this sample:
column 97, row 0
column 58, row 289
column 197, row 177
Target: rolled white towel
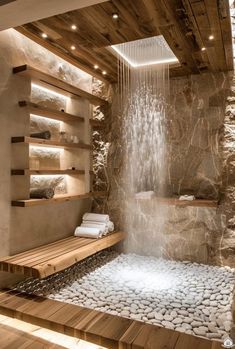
column 145, row 195
column 110, row 226
column 103, row 218
column 102, row 226
column 88, row 232
column 187, row 197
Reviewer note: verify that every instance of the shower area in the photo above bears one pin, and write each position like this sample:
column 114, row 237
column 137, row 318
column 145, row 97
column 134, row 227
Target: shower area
column 160, row 160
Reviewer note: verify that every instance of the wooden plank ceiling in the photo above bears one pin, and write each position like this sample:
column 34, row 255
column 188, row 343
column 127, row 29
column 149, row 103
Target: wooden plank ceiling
column 186, row 25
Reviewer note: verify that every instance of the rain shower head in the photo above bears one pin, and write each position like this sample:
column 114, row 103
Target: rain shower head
column 146, row 52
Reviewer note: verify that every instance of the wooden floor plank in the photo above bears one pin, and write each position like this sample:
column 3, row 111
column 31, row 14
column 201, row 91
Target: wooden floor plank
column 12, row 338
column 51, row 258
column 108, row 330
column 153, row 337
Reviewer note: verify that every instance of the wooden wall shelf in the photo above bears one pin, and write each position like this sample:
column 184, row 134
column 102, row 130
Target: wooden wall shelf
column 29, row 172
column 56, row 199
column 182, row 203
column 37, row 109
column 49, row 143
column 48, row 259
column 57, row 84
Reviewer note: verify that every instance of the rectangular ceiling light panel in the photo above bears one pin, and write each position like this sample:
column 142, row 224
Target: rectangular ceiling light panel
column 146, row 52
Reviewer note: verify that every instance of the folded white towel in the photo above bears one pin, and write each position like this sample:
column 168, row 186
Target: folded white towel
column 102, row 226
column 145, row 194
column 88, row 232
column 187, row 197
column 109, row 225
column 103, row 218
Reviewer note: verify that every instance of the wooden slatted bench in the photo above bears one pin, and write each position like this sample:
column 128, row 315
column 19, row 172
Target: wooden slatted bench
column 110, row 331
column 51, row 258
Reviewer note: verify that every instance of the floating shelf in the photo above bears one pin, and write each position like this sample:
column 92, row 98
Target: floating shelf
column 56, row 199
column 48, row 259
column 29, row 172
column 49, row 143
column 37, row 109
column 57, row 84
column 183, row 203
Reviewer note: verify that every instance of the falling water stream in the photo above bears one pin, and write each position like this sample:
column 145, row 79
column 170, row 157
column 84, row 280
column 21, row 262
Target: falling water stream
column 143, row 90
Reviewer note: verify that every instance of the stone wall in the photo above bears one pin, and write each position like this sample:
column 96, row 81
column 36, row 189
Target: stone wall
column 199, row 157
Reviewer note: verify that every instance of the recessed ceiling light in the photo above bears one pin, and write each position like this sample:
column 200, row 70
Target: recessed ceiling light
column 104, row 72
column 211, row 37
column 96, row 66
column 203, row 49
column 73, row 47
column 73, row 27
column 115, row 16
column 44, row 35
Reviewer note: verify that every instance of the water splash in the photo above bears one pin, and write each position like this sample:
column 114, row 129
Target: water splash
column 143, row 92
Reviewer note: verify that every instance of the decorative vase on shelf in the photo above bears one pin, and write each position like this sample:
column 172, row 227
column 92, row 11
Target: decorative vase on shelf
column 63, row 137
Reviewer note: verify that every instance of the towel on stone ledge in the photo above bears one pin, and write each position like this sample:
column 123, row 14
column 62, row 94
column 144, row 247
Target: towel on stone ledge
column 143, row 195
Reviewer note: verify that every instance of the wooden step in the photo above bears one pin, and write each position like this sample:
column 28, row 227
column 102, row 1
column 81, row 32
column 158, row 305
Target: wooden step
column 57, row 199
column 102, row 329
column 29, row 172
column 181, row 203
column 49, row 143
column 56, row 84
column 12, row 337
column 37, row 109
column 51, row 258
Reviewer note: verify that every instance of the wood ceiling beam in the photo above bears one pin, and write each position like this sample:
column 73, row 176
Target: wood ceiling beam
column 185, row 24
column 221, row 29
column 69, row 38
column 164, row 17
column 226, row 29
column 63, row 55
column 141, row 25
column 200, row 26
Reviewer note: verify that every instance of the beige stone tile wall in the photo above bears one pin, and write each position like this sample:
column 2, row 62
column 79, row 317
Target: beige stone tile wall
column 24, row 228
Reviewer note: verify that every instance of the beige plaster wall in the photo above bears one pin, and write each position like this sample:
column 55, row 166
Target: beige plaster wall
column 24, row 228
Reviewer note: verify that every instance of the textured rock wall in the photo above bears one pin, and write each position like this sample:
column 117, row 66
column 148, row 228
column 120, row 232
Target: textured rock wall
column 227, row 242
column 197, row 157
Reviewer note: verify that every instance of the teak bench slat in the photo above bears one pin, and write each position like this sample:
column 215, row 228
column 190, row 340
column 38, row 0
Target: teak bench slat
column 48, row 259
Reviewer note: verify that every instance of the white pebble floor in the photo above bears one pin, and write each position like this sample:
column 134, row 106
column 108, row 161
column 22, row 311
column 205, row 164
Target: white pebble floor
column 187, row 297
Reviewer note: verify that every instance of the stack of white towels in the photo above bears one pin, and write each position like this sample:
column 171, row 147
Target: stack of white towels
column 94, row 226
